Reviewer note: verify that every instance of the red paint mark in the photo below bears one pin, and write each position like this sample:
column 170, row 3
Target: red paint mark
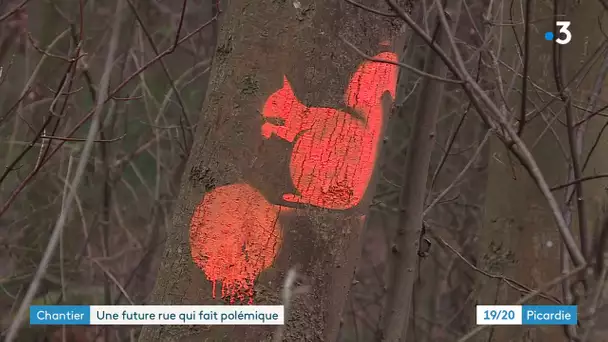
column 234, row 232
column 234, row 236
column 334, row 152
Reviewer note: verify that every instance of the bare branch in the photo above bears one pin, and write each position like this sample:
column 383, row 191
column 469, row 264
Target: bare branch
column 403, row 65
column 528, row 298
column 65, row 212
column 369, row 9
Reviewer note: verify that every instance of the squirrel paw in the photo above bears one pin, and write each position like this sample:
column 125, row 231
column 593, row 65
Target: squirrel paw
column 292, row 198
column 267, row 130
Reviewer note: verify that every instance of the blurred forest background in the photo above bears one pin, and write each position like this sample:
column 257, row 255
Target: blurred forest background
column 123, row 207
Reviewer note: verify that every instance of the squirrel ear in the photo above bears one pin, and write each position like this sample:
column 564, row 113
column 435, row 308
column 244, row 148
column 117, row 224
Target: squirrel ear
column 287, row 85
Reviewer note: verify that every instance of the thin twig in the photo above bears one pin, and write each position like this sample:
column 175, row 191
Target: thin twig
column 79, row 173
column 13, row 10
column 116, row 282
column 369, row 9
column 79, row 124
column 403, row 65
column 511, row 282
column 83, row 140
column 182, row 103
column 585, row 236
column 527, row 298
column 512, row 140
column 580, row 180
column 464, row 170
column 596, row 300
column 524, row 88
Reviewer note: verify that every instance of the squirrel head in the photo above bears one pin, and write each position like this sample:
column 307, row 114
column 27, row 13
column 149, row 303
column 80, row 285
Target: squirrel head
column 281, row 103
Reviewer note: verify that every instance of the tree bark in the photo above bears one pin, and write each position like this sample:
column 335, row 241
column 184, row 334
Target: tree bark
column 241, row 174
column 403, row 260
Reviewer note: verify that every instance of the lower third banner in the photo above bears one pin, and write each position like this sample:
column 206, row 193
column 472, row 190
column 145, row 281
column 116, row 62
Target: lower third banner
column 156, row 315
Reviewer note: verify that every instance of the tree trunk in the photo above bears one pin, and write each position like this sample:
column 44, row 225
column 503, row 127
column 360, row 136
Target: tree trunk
column 277, row 178
column 404, row 256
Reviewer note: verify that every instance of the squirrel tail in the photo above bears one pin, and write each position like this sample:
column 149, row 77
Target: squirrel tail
column 371, row 81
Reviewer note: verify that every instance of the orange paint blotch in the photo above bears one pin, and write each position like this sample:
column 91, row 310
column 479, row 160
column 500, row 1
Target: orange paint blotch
column 334, row 151
column 234, row 236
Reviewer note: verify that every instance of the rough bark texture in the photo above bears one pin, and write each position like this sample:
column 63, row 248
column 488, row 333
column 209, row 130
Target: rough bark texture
column 259, row 42
column 369, row 285
column 404, row 254
column 445, row 283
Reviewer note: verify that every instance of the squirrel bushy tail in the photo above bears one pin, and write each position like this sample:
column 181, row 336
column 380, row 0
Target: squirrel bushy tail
column 370, row 82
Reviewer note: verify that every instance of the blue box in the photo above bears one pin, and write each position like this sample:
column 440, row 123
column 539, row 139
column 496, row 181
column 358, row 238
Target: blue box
column 60, row 315
column 549, row 315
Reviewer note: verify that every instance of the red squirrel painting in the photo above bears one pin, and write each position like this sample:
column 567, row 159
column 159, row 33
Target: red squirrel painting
column 334, row 151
